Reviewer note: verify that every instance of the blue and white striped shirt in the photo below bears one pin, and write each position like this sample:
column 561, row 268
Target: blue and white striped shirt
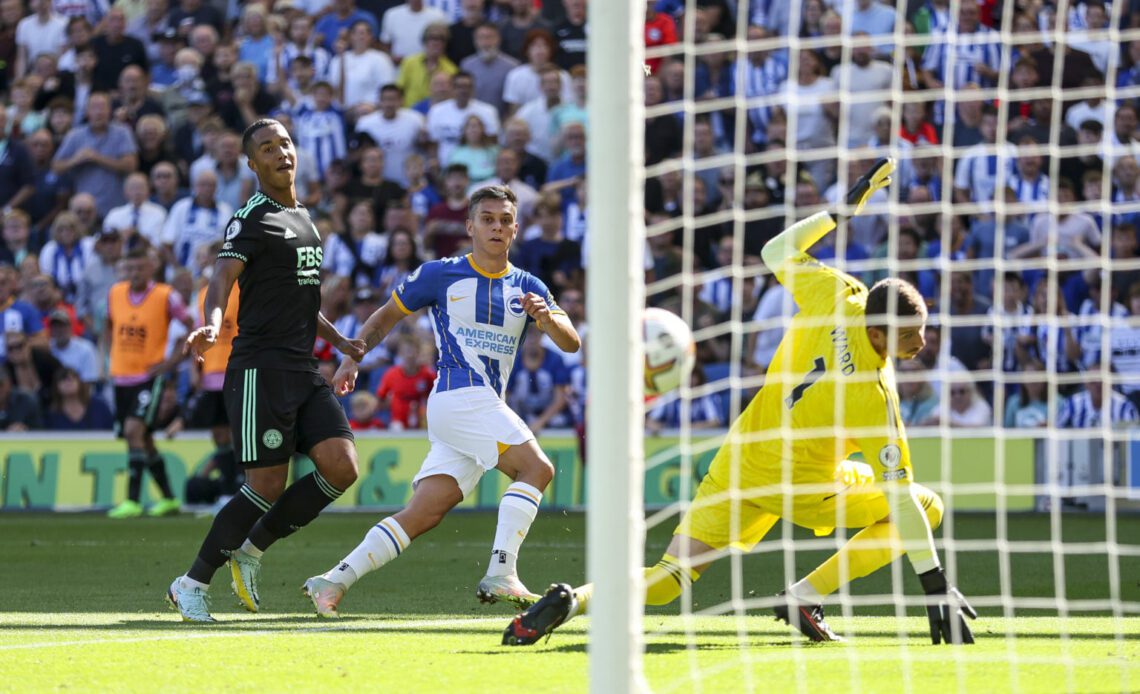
column 1078, row 412
column 763, row 80
column 322, row 133
column 981, row 47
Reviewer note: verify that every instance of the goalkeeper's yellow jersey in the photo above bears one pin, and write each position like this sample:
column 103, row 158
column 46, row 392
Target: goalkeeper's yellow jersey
column 827, row 393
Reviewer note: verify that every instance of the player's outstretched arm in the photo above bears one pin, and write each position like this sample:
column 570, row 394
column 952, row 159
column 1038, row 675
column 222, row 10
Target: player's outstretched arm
column 375, row 329
column 328, row 332
column 804, row 234
column 226, row 271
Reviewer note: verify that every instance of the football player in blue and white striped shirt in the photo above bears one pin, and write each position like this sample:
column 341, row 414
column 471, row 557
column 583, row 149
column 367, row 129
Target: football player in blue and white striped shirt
column 480, row 307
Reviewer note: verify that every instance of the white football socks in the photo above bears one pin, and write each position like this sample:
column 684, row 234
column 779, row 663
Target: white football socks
column 517, row 511
column 383, row 543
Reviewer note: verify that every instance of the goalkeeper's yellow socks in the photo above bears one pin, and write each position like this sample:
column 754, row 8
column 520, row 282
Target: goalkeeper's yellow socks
column 867, row 551
column 665, row 580
column 582, row 597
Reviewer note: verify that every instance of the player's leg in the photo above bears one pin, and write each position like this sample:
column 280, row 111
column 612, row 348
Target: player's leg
column 870, row 549
column 134, row 433
column 530, row 472
column 433, row 496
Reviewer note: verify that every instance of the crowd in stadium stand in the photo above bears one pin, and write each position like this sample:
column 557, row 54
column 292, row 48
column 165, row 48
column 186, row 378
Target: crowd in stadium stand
column 122, row 131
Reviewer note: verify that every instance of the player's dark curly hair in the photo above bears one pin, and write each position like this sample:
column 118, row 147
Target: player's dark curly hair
column 899, row 295
column 491, row 193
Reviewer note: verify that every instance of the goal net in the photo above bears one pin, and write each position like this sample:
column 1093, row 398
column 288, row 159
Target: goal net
column 1014, row 210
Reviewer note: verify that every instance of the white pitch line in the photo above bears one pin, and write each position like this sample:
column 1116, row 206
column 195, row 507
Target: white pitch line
column 386, row 626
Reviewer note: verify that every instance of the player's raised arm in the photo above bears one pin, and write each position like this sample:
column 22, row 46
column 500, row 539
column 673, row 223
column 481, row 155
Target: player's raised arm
column 802, row 235
column 226, row 272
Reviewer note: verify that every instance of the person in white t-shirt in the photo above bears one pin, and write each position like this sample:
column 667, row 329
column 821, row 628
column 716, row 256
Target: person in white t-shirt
column 523, row 83
column 814, row 98
column 358, row 70
column 394, row 129
column 139, row 215
column 536, row 113
column 42, row 32
column 862, row 74
column 402, row 29
column 445, row 120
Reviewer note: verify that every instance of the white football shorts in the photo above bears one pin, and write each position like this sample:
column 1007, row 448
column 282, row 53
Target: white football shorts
column 468, row 428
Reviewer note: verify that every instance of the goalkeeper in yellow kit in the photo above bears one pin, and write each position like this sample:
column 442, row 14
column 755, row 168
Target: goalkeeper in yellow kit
column 829, row 392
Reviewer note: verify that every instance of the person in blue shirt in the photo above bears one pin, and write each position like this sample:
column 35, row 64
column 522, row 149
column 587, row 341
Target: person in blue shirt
column 537, row 389
column 344, row 14
column 480, row 306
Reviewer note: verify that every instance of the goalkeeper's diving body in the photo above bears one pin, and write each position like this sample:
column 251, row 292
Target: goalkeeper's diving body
column 829, row 392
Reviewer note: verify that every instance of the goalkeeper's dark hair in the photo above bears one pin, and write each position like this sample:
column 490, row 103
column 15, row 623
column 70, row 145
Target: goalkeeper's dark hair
column 491, row 193
column 247, row 136
column 894, row 299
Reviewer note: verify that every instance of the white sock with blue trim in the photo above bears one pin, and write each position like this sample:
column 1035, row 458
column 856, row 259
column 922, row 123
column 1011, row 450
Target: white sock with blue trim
column 383, row 543
column 517, row 511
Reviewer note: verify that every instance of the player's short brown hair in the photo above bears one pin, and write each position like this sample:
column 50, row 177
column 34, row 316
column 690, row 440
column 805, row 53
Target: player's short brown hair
column 491, row 193
column 898, row 297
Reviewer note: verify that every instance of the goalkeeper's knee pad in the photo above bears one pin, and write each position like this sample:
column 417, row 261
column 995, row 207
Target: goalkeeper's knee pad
column 665, row 581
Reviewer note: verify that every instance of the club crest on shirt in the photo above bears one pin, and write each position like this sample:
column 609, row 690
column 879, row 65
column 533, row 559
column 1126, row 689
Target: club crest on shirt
column 515, row 305
column 890, row 456
column 233, row 230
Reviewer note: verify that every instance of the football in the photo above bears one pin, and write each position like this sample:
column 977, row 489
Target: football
column 669, row 351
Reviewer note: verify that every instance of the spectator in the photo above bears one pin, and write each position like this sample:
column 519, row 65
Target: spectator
column 73, row 408
column 363, row 411
column 1124, row 249
column 150, row 132
column 1092, row 38
column 476, row 150
column 1028, row 180
column 401, row 259
column 445, row 230
column 967, row 406
column 99, row 155
column 966, row 343
column 405, row 387
column 570, row 35
column 248, row 101
column 862, row 74
column 1094, row 107
column 49, row 190
column 18, row 244
column 152, row 22
column 1055, row 343
column 765, row 72
column 358, row 71
column 462, row 43
column 872, row 18
column 537, row 387
column 231, row 175
column 195, row 221
column 19, row 410
column 1029, row 406
column 75, row 353
column 1124, row 346
column 977, row 57
column 523, row 83
column 83, row 206
column 395, row 129
column 516, row 137
column 818, row 110
column 364, row 304
column 44, row 32
column 405, row 24
column 489, row 66
column 65, row 257
column 545, row 252
column 256, row 45
column 134, row 102
column 98, row 276
column 524, row 17
column 418, row 71
column 975, row 177
column 16, row 169
column 300, row 43
column 30, row 367
column 984, row 237
column 116, row 51
column 16, row 315
column 660, row 30
column 358, row 251
column 446, row 120
column 372, row 187
column 572, row 164
column 1088, row 408
column 918, row 403
column 421, row 192
column 915, row 128
column 440, row 91
column 164, row 183
column 320, row 127
column 1014, row 318
column 1068, row 235
column 139, row 218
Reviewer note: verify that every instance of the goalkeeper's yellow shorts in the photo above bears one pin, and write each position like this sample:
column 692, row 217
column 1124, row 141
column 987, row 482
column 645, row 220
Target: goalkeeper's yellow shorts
column 722, row 518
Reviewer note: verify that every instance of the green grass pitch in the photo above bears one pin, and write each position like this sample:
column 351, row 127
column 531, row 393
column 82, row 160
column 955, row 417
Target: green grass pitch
column 81, row 609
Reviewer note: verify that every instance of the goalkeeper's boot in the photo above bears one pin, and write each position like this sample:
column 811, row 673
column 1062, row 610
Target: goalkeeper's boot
column 508, row 589
column 876, row 178
column 807, row 618
column 126, row 509
column 541, row 618
column 192, row 603
column 325, row 594
column 245, row 569
column 166, row 507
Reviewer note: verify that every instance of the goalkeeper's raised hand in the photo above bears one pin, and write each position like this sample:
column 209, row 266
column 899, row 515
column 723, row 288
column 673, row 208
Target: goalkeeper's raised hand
column 877, row 178
column 946, row 610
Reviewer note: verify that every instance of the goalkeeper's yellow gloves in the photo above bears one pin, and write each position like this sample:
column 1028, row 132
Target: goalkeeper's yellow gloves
column 877, row 178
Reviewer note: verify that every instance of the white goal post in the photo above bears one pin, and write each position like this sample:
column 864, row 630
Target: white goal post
column 615, row 296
